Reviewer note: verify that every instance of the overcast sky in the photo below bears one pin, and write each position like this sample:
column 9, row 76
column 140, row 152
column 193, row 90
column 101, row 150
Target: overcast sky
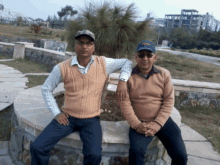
column 43, row 8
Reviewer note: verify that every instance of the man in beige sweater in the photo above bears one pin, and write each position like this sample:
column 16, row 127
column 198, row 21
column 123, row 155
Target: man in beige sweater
column 148, row 106
column 84, row 78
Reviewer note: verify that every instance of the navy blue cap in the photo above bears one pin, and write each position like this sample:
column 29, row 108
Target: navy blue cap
column 146, row 45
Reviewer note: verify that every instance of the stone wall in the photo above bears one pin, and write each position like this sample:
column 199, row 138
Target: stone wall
column 41, row 43
column 44, row 56
column 53, row 45
column 14, row 39
column 6, row 49
column 193, row 99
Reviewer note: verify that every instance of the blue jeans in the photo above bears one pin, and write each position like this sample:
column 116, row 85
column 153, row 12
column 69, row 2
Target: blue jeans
column 90, row 133
column 169, row 135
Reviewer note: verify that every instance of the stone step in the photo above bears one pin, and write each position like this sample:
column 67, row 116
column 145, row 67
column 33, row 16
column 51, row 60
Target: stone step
column 6, row 85
column 37, row 74
column 24, row 79
column 192, row 160
column 10, row 71
column 6, row 75
column 202, row 150
column 6, row 60
column 191, row 135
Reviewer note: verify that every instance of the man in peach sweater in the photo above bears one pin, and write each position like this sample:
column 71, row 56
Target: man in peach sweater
column 84, row 77
column 148, row 106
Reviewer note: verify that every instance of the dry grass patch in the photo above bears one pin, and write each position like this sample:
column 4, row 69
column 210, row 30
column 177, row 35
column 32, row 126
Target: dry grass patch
column 188, row 69
column 25, row 31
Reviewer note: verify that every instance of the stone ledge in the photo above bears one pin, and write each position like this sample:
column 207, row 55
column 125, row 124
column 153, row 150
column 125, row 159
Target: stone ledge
column 46, row 50
column 7, row 44
column 33, row 116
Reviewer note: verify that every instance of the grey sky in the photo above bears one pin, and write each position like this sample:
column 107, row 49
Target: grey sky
column 43, row 8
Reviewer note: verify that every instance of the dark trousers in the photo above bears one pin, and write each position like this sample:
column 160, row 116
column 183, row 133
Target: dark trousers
column 169, row 135
column 90, row 133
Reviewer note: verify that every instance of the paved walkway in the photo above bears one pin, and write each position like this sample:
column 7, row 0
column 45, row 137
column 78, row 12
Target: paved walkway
column 204, row 58
column 200, row 151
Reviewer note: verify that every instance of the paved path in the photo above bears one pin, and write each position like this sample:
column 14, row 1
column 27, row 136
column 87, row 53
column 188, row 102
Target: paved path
column 200, row 151
column 209, row 59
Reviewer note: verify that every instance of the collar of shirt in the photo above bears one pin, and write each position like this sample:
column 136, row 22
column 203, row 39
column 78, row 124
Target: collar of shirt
column 153, row 70
column 75, row 62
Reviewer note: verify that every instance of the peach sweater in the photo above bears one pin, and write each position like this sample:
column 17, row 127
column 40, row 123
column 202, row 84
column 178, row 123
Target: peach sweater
column 149, row 99
column 83, row 91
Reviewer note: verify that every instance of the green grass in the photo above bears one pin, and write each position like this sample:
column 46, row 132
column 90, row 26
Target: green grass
column 204, row 120
column 26, row 66
column 35, row 80
column 3, row 57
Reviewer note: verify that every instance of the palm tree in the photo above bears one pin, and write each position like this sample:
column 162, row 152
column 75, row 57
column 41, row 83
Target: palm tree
column 117, row 33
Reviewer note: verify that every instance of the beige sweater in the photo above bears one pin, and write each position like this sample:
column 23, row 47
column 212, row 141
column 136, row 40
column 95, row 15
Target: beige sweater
column 149, row 99
column 83, row 91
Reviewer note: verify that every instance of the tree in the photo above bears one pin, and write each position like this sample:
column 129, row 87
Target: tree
column 38, row 20
column 49, row 19
column 61, row 14
column 19, row 21
column 117, row 33
column 67, row 11
column 1, row 7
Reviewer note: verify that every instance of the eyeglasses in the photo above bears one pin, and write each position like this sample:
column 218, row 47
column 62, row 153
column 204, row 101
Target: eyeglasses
column 87, row 43
column 142, row 55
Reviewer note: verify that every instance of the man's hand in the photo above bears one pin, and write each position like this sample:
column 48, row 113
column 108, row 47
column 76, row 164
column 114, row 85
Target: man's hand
column 142, row 128
column 121, row 90
column 152, row 128
column 62, row 118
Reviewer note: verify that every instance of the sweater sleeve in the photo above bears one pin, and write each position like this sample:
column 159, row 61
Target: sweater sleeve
column 128, row 111
column 168, row 101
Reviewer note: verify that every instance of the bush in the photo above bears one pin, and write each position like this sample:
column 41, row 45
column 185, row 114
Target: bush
column 62, row 37
column 36, row 28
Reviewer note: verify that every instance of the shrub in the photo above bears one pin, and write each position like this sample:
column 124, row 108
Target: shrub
column 62, row 37
column 36, row 28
